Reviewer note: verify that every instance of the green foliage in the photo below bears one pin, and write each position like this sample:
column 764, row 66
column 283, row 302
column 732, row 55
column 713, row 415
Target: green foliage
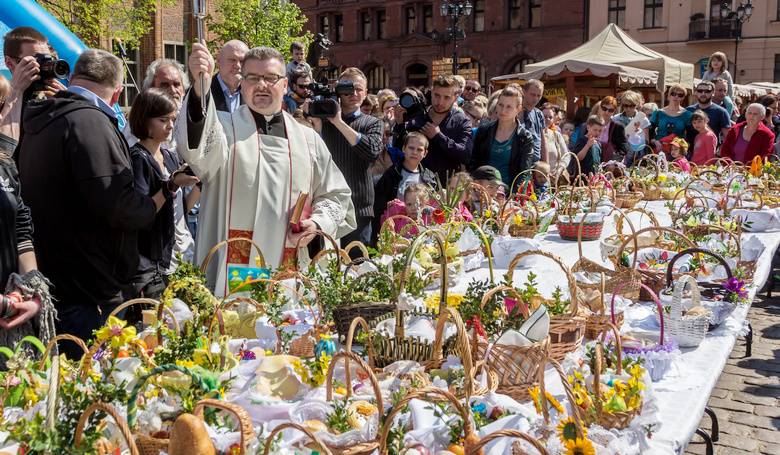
column 273, row 23
column 96, row 20
column 337, row 420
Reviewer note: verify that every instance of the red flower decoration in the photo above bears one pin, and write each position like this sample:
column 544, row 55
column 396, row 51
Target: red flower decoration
column 665, row 256
column 438, row 216
column 477, row 324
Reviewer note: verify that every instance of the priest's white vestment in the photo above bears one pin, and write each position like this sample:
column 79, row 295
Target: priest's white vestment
column 251, row 181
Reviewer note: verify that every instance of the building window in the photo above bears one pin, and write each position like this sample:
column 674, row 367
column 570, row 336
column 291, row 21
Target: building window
column 365, row 21
column 777, row 68
column 428, row 19
column 381, row 21
column 132, row 77
column 519, row 65
column 411, row 20
column 534, row 13
column 479, row 16
column 176, row 52
column 653, row 10
column 617, row 12
column 325, row 25
column 474, row 70
column 515, row 14
column 338, row 19
column 378, row 79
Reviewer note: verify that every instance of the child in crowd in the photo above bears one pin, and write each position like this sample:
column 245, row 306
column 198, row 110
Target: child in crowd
column 678, row 150
column 541, row 178
column 461, row 180
column 567, row 128
column 706, row 141
column 649, row 108
column 390, row 190
column 588, row 149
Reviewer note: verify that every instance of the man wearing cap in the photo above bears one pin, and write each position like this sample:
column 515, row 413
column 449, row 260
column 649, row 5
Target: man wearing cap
column 489, row 178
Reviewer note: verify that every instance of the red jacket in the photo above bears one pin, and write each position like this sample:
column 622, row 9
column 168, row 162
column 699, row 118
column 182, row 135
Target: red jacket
column 761, row 144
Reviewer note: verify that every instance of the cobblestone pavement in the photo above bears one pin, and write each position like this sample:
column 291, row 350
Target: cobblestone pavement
column 745, row 398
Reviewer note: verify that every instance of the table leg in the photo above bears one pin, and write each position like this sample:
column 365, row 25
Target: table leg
column 709, row 450
column 749, row 341
column 714, row 420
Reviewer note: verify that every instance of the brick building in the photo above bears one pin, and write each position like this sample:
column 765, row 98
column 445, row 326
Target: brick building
column 395, row 41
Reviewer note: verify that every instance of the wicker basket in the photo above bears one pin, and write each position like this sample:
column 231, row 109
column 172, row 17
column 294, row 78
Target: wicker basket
column 688, row 331
column 148, row 445
column 516, row 368
column 570, row 229
column 568, row 330
column 609, row 420
column 390, row 349
column 269, row 441
column 599, row 322
column 78, row 438
column 522, row 230
column 708, row 290
column 399, row 241
column 345, row 314
column 160, row 311
column 242, row 417
column 478, row 448
column 653, row 279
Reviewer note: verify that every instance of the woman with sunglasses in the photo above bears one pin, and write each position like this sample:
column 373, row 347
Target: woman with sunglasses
column 635, row 122
column 673, row 118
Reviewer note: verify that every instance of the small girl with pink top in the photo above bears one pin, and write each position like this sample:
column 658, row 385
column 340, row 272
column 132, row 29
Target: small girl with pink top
column 678, row 150
column 706, row 141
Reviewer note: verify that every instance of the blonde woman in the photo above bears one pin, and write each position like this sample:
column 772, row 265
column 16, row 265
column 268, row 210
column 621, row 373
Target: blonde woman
column 718, row 67
column 635, row 122
column 556, row 143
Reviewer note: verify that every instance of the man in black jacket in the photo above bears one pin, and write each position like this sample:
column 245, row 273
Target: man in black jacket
column 355, row 141
column 226, row 86
column 78, row 182
column 447, row 128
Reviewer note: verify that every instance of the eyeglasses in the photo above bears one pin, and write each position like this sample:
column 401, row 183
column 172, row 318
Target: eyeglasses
column 629, row 106
column 701, row 90
column 677, row 94
column 607, row 109
column 269, row 79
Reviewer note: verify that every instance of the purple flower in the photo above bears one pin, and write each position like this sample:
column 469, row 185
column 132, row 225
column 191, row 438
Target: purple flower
column 736, row 286
column 248, row 355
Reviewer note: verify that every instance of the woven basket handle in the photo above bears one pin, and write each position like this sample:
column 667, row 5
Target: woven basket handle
column 270, row 439
column 477, row 449
column 669, row 268
column 653, row 296
column 679, row 288
column 573, row 289
column 351, row 356
column 204, row 265
column 363, row 276
column 660, row 230
column 53, row 342
column 359, row 245
column 315, row 233
column 111, row 411
column 161, row 309
column 578, row 419
column 351, row 336
column 486, row 243
column 243, row 418
column 430, row 394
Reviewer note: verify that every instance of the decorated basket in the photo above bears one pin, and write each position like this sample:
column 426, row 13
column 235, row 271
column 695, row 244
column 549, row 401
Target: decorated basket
column 571, row 220
column 121, row 424
column 343, row 315
column 245, row 429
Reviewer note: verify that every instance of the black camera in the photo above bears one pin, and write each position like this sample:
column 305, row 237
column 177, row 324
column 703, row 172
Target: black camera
column 325, row 101
column 50, row 68
column 413, row 104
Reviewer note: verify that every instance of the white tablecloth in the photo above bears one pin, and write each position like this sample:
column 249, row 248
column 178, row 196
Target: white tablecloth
column 683, row 393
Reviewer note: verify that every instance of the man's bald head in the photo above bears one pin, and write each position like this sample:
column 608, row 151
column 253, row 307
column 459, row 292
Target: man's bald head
column 229, row 60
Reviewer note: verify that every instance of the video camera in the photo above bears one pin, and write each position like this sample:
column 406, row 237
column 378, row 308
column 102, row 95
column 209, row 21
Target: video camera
column 325, row 101
column 50, row 68
column 413, row 103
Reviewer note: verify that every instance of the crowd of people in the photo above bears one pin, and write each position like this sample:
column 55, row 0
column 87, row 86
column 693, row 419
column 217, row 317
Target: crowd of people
column 94, row 212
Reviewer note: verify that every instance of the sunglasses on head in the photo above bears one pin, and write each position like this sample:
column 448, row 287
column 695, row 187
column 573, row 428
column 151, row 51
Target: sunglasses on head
column 607, row 109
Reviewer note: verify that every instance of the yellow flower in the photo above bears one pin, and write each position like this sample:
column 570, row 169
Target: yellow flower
column 579, row 446
column 636, row 371
column 535, row 394
column 488, row 213
column 553, row 402
column 661, row 178
column 567, row 430
column 185, row 363
column 116, row 332
column 533, row 197
column 517, row 219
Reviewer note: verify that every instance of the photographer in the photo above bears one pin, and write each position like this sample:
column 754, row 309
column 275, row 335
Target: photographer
column 447, row 128
column 355, row 141
column 299, row 80
column 21, row 46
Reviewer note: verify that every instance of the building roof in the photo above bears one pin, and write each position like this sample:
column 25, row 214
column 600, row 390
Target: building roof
column 613, row 52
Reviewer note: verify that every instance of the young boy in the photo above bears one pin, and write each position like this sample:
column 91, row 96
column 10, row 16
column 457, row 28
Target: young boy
column 588, row 149
column 393, row 183
column 298, row 52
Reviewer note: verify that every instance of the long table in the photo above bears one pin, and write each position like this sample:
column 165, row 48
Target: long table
column 683, row 393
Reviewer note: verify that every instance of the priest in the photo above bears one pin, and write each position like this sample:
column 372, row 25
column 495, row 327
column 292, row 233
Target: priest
column 256, row 163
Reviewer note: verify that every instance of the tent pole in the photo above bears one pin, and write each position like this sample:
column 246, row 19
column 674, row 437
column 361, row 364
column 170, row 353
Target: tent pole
column 570, row 107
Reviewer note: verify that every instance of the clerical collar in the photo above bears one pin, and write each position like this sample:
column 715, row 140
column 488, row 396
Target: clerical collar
column 273, row 126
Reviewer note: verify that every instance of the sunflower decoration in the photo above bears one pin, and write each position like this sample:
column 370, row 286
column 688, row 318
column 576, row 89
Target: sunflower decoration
column 567, row 430
column 579, row 446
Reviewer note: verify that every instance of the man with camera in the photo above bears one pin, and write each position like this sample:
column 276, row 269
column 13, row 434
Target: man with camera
column 447, row 128
column 299, row 79
column 77, row 177
column 33, row 69
column 355, row 141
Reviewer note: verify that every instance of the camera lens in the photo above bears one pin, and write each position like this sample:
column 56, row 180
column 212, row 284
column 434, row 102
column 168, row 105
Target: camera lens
column 61, row 69
column 406, row 100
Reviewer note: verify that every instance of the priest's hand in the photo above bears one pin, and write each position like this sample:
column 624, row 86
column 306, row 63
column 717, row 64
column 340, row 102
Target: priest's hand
column 200, row 61
column 308, row 227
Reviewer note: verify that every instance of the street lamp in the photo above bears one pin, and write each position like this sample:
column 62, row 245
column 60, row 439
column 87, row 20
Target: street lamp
column 455, row 10
column 740, row 16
